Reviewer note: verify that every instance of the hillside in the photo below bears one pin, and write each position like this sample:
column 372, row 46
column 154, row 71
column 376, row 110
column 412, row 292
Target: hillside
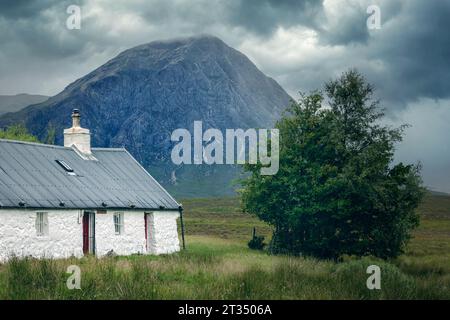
column 14, row 103
column 138, row 98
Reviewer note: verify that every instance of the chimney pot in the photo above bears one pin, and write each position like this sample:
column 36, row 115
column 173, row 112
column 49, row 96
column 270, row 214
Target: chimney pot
column 76, row 118
column 77, row 136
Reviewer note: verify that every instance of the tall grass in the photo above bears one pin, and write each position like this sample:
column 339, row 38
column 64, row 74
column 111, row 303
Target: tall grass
column 218, row 265
column 215, row 269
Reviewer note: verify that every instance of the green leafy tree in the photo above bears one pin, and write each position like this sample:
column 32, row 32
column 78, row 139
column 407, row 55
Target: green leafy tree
column 337, row 191
column 51, row 134
column 17, row 132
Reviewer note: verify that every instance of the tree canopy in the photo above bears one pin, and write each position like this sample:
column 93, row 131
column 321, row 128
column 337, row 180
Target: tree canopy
column 17, row 132
column 337, row 191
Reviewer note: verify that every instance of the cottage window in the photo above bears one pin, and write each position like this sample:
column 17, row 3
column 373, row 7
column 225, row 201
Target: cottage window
column 41, row 224
column 118, row 223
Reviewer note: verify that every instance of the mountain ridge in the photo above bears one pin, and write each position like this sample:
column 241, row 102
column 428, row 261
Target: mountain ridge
column 139, row 97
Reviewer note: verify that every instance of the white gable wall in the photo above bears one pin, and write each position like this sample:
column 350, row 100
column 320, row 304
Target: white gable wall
column 163, row 233
column 18, row 233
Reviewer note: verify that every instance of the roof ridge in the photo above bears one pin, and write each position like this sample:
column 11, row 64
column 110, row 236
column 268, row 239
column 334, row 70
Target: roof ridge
column 38, row 144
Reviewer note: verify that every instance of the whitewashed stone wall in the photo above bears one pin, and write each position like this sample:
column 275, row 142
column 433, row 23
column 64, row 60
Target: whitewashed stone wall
column 65, row 238
column 132, row 240
column 163, row 233
column 18, row 234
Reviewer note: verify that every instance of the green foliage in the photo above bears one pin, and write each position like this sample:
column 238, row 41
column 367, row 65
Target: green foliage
column 337, row 191
column 51, row 135
column 257, row 243
column 17, row 132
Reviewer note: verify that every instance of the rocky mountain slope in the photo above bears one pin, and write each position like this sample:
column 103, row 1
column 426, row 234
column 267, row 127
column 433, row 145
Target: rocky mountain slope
column 139, row 97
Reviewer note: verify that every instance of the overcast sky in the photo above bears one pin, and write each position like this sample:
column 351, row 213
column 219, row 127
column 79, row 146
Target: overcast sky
column 300, row 43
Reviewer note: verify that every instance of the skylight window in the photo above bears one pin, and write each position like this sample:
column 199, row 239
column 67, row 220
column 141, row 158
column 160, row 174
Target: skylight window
column 66, row 167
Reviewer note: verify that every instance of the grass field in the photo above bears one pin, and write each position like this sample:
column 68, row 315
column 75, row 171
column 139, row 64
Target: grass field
column 218, row 265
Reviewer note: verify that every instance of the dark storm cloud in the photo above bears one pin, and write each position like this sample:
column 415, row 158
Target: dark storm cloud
column 347, row 22
column 15, row 9
column 407, row 59
column 412, row 47
column 37, row 28
column 263, row 17
column 301, row 43
column 415, row 48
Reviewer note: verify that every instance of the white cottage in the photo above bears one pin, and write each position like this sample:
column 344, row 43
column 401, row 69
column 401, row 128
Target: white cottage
column 70, row 201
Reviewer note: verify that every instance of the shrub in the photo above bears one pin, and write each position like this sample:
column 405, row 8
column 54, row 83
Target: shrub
column 257, row 243
column 351, row 277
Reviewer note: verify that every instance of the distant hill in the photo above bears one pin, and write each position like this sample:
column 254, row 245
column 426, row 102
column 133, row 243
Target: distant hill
column 14, row 103
column 138, row 98
column 438, row 193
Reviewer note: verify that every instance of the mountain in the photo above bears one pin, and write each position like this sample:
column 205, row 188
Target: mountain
column 17, row 102
column 139, row 97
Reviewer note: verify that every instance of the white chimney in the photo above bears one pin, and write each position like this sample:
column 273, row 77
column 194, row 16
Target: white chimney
column 77, row 136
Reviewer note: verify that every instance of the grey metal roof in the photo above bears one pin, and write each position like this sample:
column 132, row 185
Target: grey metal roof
column 30, row 177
